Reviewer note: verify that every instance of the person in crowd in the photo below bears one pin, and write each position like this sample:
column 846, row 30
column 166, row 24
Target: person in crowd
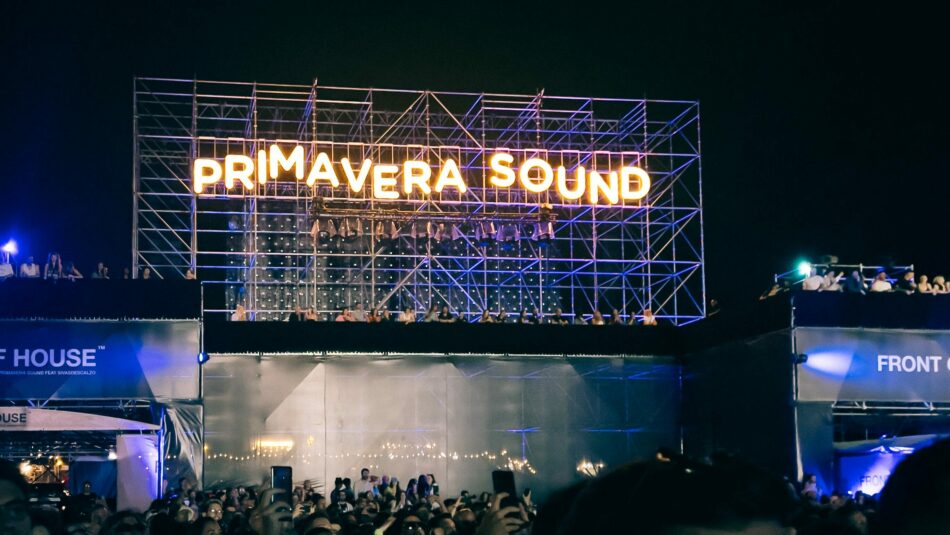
column 297, row 315
column 70, row 272
column 423, row 487
column 14, row 507
column 101, row 272
column 386, row 316
column 597, row 318
column 345, row 315
column 855, row 283
column 6, row 266
column 502, row 316
column 239, row 314
column 374, row 316
column 830, row 282
column 778, row 287
column 53, row 269
column 364, row 484
column 615, row 318
column 916, row 498
column 485, row 317
column 907, row 284
column 634, row 320
column 679, row 497
column 310, row 315
column 146, row 274
column 411, row 496
column 579, row 319
column 190, row 274
column 407, row 316
column 29, row 269
column 213, row 509
column 648, row 318
column 523, row 317
column 359, row 314
column 812, row 282
column 432, row 315
column 205, row 526
column 558, row 317
column 446, row 315
column 881, row 284
column 810, row 487
column 940, row 285
column 536, row 317
column 924, row 286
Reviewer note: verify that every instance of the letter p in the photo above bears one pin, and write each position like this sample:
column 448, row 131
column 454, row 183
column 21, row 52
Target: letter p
column 206, row 172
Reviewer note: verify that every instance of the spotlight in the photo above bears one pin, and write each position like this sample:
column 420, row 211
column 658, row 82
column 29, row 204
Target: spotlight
column 203, row 357
column 804, row 268
column 112, row 455
column 10, row 247
column 801, row 358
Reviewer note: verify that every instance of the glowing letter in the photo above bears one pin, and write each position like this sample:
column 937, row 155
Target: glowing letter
column 231, row 171
column 416, row 173
column 597, row 186
column 206, row 172
column 580, row 183
column 262, row 166
column 356, row 182
column 384, row 176
column 323, row 170
column 501, row 164
column 295, row 160
column 643, row 179
column 450, row 175
column 547, row 175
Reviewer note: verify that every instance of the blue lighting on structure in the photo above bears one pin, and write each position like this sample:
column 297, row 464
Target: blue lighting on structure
column 834, row 363
column 203, row 357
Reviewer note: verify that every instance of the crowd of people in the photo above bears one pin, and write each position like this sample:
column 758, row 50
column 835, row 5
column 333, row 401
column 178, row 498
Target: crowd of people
column 445, row 315
column 56, row 269
column 669, row 494
column 828, row 279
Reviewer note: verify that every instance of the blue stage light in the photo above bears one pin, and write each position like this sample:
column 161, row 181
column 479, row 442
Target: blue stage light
column 804, row 268
column 10, row 247
column 203, row 357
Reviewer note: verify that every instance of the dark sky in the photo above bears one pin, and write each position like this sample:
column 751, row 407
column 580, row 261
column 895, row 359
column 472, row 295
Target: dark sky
column 824, row 127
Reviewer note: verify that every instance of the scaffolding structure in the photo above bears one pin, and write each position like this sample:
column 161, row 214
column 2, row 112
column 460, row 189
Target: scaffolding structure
column 284, row 244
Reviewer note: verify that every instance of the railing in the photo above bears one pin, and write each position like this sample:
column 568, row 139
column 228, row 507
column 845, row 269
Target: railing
column 794, row 276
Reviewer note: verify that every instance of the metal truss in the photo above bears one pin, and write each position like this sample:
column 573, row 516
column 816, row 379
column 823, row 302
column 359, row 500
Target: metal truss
column 284, row 244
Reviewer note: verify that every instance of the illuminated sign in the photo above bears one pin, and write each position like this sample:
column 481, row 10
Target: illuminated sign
column 394, row 181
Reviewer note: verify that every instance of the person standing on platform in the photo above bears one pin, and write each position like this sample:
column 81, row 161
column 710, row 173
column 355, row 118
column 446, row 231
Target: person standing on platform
column 345, row 315
column 54, row 267
column 360, row 313
column 597, row 318
column 648, row 318
column 446, row 316
column 29, row 269
column 407, row 316
column 296, row 315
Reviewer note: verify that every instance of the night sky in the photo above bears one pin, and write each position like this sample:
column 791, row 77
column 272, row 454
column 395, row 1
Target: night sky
column 824, row 127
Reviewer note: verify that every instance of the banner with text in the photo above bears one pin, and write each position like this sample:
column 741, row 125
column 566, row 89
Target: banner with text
column 873, row 365
column 98, row 359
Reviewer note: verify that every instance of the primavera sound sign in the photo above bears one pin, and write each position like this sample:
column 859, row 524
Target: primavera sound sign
column 393, row 181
